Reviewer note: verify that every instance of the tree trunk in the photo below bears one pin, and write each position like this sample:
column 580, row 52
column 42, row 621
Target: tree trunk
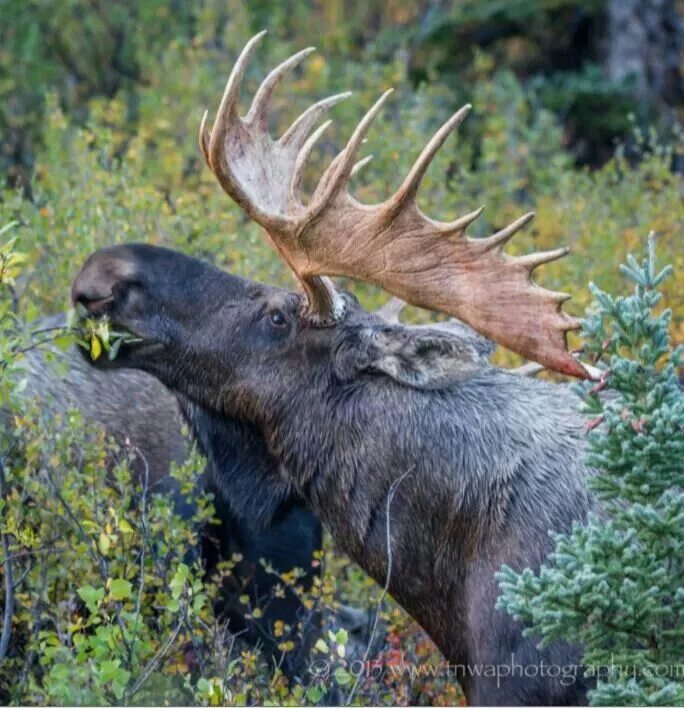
column 644, row 41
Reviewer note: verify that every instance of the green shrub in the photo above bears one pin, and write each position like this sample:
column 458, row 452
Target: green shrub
column 615, row 584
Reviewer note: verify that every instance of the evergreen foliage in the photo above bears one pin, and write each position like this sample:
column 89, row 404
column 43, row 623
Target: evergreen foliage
column 616, row 585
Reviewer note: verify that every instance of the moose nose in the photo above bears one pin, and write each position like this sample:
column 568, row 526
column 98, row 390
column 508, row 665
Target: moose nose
column 93, row 287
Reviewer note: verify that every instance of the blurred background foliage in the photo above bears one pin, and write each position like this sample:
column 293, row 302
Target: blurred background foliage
column 100, row 104
column 577, row 112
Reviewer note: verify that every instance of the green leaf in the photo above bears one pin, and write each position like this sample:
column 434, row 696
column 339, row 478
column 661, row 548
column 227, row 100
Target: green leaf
column 342, row 676
column 120, row 589
column 104, row 544
column 91, row 596
column 125, row 527
column 4, row 229
column 73, row 318
column 314, row 693
column 179, row 580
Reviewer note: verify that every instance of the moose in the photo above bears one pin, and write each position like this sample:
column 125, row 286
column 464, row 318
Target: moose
column 430, row 467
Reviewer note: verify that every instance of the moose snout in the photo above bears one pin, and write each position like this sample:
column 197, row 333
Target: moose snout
column 93, row 287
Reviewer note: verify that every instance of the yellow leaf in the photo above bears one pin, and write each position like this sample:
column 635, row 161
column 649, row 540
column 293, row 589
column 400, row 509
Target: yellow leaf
column 125, row 527
column 104, row 544
column 95, row 348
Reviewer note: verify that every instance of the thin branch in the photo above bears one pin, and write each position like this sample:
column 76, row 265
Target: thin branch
column 99, row 560
column 156, row 659
column 35, row 345
column 36, row 619
column 143, row 504
column 23, row 577
column 55, row 328
column 48, row 546
column 9, row 580
column 385, row 589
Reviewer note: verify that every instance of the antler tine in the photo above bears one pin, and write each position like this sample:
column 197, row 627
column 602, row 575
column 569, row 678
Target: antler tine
column 339, row 170
column 297, row 133
column 462, row 223
column 533, row 260
column 258, row 111
column 391, row 310
column 360, row 165
column 501, row 237
column 303, row 156
column 204, row 138
column 226, row 115
column 409, row 188
column 228, row 108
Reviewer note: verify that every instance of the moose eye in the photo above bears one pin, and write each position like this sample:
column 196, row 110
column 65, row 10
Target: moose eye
column 277, row 318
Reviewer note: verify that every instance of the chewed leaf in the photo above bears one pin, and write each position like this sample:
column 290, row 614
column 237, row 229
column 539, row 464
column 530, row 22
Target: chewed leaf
column 95, row 347
column 96, row 334
column 73, row 318
column 114, row 349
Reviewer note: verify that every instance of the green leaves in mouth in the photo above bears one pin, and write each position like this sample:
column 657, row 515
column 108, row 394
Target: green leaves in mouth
column 95, row 334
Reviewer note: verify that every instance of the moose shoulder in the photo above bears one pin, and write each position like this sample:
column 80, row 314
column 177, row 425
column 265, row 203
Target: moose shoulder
column 420, row 458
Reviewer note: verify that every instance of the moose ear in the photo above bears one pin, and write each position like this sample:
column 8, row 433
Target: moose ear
column 427, row 357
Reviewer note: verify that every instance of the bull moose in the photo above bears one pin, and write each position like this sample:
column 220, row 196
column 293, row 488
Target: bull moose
column 430, row 467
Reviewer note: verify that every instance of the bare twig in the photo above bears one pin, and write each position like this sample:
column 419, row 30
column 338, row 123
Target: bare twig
column 9, row 580
column 36, row 612
column 143, row 525
column 24, row 575
column 48, row 546
column 156, row 659
column 385, row 589
column 36, row 344
column 64, row 329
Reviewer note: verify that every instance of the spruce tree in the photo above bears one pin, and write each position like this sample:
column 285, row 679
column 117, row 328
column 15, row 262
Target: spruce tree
column 616, row 583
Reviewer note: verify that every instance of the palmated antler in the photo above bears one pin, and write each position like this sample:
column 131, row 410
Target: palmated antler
column 428, row 263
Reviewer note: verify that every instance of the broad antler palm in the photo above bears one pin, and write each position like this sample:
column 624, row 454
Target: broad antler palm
column 428, row 263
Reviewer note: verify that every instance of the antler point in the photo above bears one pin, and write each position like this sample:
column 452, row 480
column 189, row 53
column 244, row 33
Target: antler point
column 462, row 223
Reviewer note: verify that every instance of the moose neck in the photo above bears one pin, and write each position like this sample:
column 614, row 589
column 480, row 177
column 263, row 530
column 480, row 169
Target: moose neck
column 450, row 477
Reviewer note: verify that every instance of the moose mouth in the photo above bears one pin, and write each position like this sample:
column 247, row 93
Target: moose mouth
column 108, row 342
